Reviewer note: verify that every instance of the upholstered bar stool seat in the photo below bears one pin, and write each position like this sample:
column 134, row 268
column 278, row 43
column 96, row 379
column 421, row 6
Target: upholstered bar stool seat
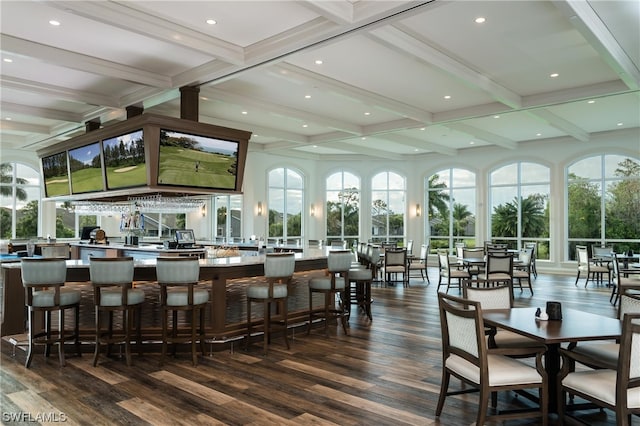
column 43, row 280
column 113, row 293
column 278, row 270
column 178, row 278
column 338, row 265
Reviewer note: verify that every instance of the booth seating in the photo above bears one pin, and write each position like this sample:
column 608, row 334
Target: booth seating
column 112, row 281
column 338, row 265
column 178, row 279
column 278, row 268
column 43, row 281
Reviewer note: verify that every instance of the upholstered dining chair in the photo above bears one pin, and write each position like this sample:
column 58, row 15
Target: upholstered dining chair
column 43, row 281
column 498, row 270
column 278, row 271
column 617, row 389
column 623, row 280
column 592, row 271
column 465, row 355
column 420, row 264
column 450, row 273
column 178, row 278
column 534, row 256
column 396, row 263
column 522, row 270
column 112, row 281
column 338, row 265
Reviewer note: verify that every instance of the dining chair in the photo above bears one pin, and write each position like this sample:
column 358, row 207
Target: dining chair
column 617, row 389
column 593, row 271
column 622, row 280
column 278, row 272
column 534, row 255
column 178, row 278
column 420, row 263
column 466, row 356
column 113, row 292
column 450, row 273
column 338, row 265
column 43, row 281
column 396, row 262
column 522, row 270
column 474, row 253
column 498, row 270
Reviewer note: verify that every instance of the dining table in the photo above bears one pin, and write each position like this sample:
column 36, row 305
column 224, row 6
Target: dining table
column 575, row 326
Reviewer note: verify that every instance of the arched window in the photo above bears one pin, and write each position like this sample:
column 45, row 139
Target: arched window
column 286, row 190
column 343, row 207
column 603, row 203
column 388, row 192
column 451, row 207
column 519, row 201
column 19, row 201
column 227, row 222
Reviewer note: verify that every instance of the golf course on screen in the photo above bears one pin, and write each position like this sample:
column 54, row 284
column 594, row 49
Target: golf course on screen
column 124, row 160
column 56, row 176
column 86, row 169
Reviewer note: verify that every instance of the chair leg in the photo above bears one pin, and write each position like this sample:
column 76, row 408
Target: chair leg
column 194, row 353
column 284, row 310
column 202, row 310
column 61, row 337
column 246, row 342
column 31, row 337
column 267, row 325
column 165, row 334
column 326, row 313
column 127, row 322
column 482, row 408
column 96, row 353
column 444, row 387
column 76, row 329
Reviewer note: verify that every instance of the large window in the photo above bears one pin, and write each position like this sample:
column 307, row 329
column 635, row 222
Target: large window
column 286, row 190
column 520, row 206
column 343, row 207
column 227, row 220
column 388, row 207
column 603, row 203
column 19, row 201
column 451, row 208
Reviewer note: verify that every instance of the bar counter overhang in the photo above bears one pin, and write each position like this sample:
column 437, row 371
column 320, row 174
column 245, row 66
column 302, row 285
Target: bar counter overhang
column 215, row 272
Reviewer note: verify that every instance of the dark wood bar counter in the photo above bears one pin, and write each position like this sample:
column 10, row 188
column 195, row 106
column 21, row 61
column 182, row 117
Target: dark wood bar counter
column 215, row 272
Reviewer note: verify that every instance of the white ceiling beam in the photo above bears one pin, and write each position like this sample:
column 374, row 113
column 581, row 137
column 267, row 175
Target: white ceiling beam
column 293, row 73
column 80, row 62
column 340, row 12
column 125, row 15
column 574, row 94
column 363, row 150
column 419, row 143
column 596, row 32
column 47, row 113
column 57, row 92
column 560, row 123
column 16, row 126
column 401, row 39
column 482, row 135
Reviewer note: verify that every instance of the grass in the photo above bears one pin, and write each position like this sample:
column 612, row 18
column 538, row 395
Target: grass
column 178, row 167
column 86, row 180
column 127, row 177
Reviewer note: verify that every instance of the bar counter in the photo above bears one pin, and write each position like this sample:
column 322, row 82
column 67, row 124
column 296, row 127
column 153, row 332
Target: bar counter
column 214, row 271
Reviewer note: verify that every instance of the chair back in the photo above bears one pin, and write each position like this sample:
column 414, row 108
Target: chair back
column 410, row 246
column 338, row 244
column 629, row 304
column 443, row 260
column 111, row 270
column 424, row 252
column 471, row 252
column 339, row 261
column 55, row 250
column 279, row 265
column 41, row 272
column 601, row 251
column 582, row 255
column 628, row 371
column 462, row 330
column 499, row 263
column 498, row 297
column 178, row 270
column 395, row 257
column 526, row 257
column 459, row 250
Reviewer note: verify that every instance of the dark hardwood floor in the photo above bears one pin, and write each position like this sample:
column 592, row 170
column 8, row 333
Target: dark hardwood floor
column 386, row 372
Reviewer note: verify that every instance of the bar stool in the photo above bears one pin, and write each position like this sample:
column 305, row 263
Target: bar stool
column 338, row 263
column 112, row 281
column 278, row 268
column 360, row 293
column 43, row 281
column 178, row 279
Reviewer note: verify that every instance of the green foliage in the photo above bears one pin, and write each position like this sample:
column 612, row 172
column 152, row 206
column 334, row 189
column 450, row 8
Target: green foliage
column 6, row 179
column 27, row 226
column 5, row 223
column 584, row 208
column 63, row 231
column 623, row 203
column 504, row 221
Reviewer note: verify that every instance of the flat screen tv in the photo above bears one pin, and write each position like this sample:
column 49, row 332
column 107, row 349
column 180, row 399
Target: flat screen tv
column 124, row 160
column 197, row 161
column 86, row 232
column 85, row 164
column 185, row 237
column 56, row 175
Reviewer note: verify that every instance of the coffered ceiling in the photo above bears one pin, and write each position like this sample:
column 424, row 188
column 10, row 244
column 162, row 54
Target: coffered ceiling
column 327, row 79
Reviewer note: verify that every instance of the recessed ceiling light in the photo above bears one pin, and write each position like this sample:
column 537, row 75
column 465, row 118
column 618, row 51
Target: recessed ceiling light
column 620, row 124
column 204, row 98
column 307, row 96
column 211, row 21
column 367, row 113
column 480, row 20
column 447, row 96
column 416, row 150
column 305, row 125
column 8, row 118
column 8, row 60
column 364, row 138
column 54, row 23
column 591, row 102
column 554, row 75
column 538, row 134
column 472, row 142
column 423, row 128
column 315, row 146
column 318, row 61
column 496, row 116
column 244, row 113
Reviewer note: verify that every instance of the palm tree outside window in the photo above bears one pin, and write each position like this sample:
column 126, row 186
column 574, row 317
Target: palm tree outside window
column 19, row 201
column 343, row 207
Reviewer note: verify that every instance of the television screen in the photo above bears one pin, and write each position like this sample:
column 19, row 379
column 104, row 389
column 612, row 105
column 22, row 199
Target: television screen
column 185, row 236
column 124, row 160
column 86, row 169
column 86, row 232
column 56, row 174
column 197, row 161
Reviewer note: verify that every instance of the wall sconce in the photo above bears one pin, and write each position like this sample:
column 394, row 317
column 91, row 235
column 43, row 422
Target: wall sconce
column 418, row 210
column 203, row 210
column 259, row 208
column 312, row 210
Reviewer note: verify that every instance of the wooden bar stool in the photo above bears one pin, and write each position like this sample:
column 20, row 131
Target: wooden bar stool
column 43, row 281
column 112, row 280
column 339, row 263
column 278, row 268
column 178, row 279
